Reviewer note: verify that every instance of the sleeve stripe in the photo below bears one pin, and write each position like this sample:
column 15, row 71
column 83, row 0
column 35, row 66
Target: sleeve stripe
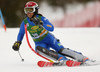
column 49, row 25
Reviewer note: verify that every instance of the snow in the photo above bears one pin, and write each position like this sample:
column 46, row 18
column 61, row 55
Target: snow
column 85, row 40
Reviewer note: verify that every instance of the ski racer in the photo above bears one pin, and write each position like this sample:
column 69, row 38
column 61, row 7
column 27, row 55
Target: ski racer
column 39, row 28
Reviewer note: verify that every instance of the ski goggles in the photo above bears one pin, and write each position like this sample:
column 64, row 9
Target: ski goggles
column 30, row 10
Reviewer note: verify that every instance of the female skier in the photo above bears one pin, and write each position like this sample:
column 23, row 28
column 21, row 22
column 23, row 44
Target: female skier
column 38, row 27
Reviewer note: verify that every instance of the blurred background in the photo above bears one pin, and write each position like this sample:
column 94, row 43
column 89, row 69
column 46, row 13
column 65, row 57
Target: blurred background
column 61, row 13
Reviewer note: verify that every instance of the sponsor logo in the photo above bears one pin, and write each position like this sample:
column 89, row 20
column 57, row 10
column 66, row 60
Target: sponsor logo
column 34, row 27
column 27, row 24
column 59, row 44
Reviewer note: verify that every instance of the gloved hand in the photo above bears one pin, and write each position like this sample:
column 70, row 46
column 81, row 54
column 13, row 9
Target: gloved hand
column 16, row 45
column 37, row 21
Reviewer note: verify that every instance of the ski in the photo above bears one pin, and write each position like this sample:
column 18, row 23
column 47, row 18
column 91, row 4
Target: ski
column 69, row 63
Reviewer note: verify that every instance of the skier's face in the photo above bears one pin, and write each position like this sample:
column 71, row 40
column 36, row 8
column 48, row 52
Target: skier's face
column 30, row 14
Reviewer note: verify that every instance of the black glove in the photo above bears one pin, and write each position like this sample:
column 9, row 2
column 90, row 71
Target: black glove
column 37, row 21
column 16, row 45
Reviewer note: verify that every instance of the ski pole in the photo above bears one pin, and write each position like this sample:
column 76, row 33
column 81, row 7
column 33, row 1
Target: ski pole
column 20, row 56
column 31, row 46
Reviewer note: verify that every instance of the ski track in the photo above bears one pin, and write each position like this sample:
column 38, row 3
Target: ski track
column 85, row 40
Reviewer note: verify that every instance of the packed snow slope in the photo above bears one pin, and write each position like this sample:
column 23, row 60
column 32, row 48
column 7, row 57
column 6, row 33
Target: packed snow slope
column 85, row 40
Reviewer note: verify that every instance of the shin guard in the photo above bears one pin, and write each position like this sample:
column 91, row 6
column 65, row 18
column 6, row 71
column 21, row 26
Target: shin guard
column 72, row 54
column 47, row 53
